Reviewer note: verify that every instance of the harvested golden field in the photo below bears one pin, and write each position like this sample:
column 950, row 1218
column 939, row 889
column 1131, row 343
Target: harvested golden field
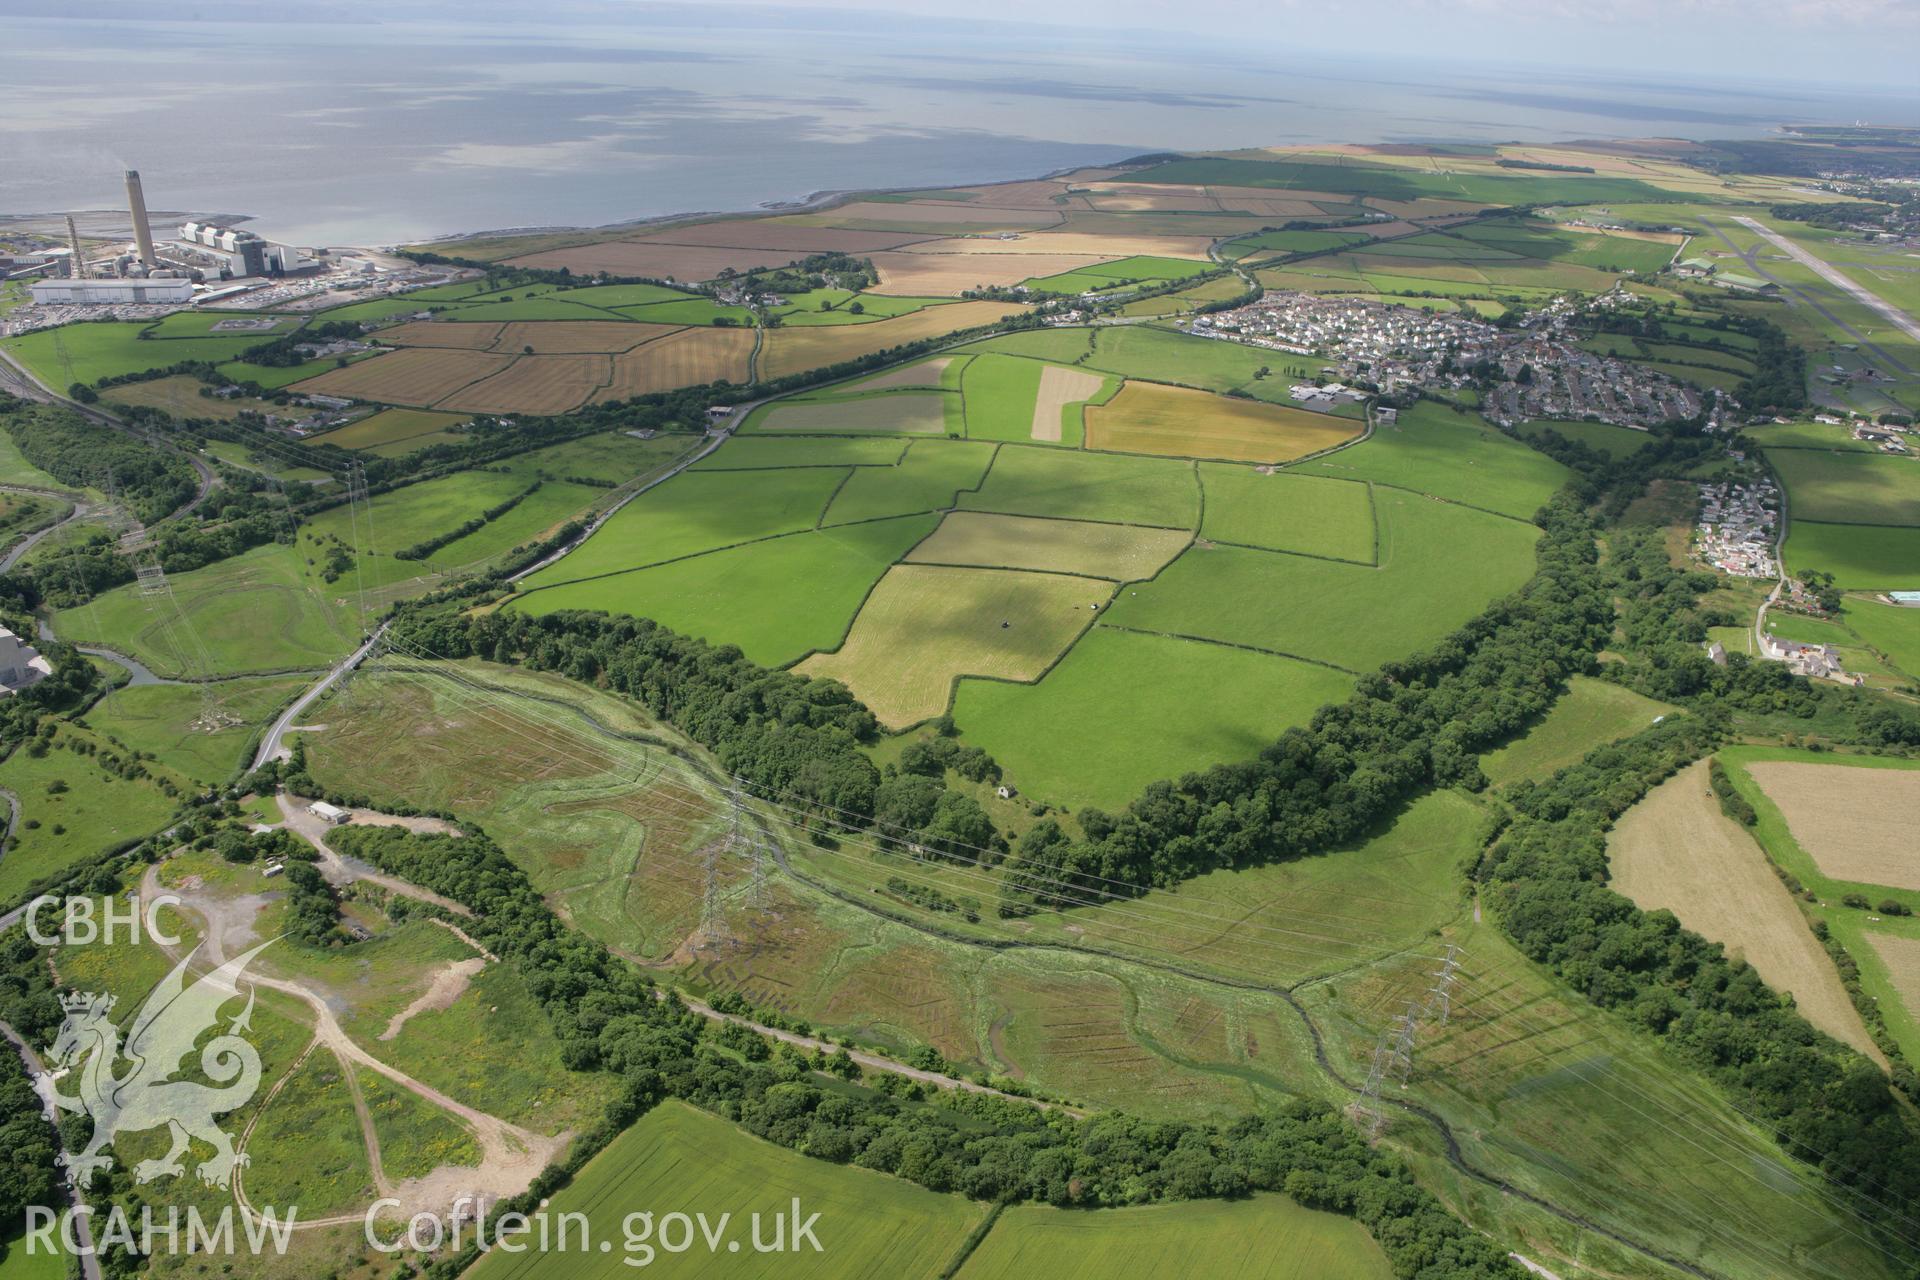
column 919, row 414
column 536, row 384
column 1856, row 824
column 1179, row 422
column 1144, row 200
column 763, row 233
column 681, row 359
column 1120, row 552
column 441, row 333
column 1901, row 955
column 1676, row 851
column 658, row 261
column 1073, row 242
column 578, row 337
column 928, row 212
column 945, row 275
column 1060, row 387
column 924, row 626
column 796, row 349
column 416, row 376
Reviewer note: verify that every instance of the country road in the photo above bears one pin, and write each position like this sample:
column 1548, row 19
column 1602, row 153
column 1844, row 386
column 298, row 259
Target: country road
column 82, row 1223
column 1835, row 277
column 270, row 744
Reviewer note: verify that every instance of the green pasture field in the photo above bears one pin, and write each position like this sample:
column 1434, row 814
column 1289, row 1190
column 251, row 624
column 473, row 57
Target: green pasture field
column 778, row 599
column 833, row 306
column 273, row 377
column 677, row 1159
column 534, row 516
column 1807, row 435
column 613, row 296
column 199, row 324
column 1451, row 455
column 1061, row 346
column 1891, row 629
column 1266, row 1237
column 1398, row 182
column 1680, row 353
column 756, row 453
column 1849, row 487
column 394, row 426
column 1582, row 248
column 376, row 309
column 419, row 512
column 81, row 806
column 997, row 395
column 1287, row 511
column 19, row 1262
column 517, row 305
column 1147, row 267
column 700, row 511
column 1703, row 333
column 105, row 349
column 1115, row 552
column 1699, row 376
column 697, row 311
column 924, row 626
column 1591, row 713
column 1160, row 355
column 1615, row 442
column 1123, row 709
column 259, row 611
column 1441, row 564
column 1215, row 290
column 1120, row 488
column 929, row 478
column 1803, row 630
column 164, row 719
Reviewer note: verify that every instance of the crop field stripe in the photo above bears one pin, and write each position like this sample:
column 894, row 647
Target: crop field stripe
column 1232, row 644
column 1309, row 555
column 731, row 546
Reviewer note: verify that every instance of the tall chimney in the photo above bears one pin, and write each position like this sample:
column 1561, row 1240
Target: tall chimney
column 137, row 206
column 77, row 265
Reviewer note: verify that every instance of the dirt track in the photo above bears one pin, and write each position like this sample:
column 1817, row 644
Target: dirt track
column 511, row 1156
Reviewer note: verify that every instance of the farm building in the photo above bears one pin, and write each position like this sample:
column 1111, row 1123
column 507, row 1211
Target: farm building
column 332, row 814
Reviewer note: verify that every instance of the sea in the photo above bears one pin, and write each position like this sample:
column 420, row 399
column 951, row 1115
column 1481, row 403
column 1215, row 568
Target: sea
column 334, row 128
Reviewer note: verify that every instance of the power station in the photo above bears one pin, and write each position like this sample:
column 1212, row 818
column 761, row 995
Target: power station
column 141, row 273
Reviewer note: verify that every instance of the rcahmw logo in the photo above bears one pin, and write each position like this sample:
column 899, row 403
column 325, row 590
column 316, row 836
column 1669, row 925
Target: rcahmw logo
column 147, row 1095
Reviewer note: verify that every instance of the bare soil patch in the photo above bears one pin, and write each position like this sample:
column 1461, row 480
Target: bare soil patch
column 1676, row 851
column 1856, row 824
column 1060, row 387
